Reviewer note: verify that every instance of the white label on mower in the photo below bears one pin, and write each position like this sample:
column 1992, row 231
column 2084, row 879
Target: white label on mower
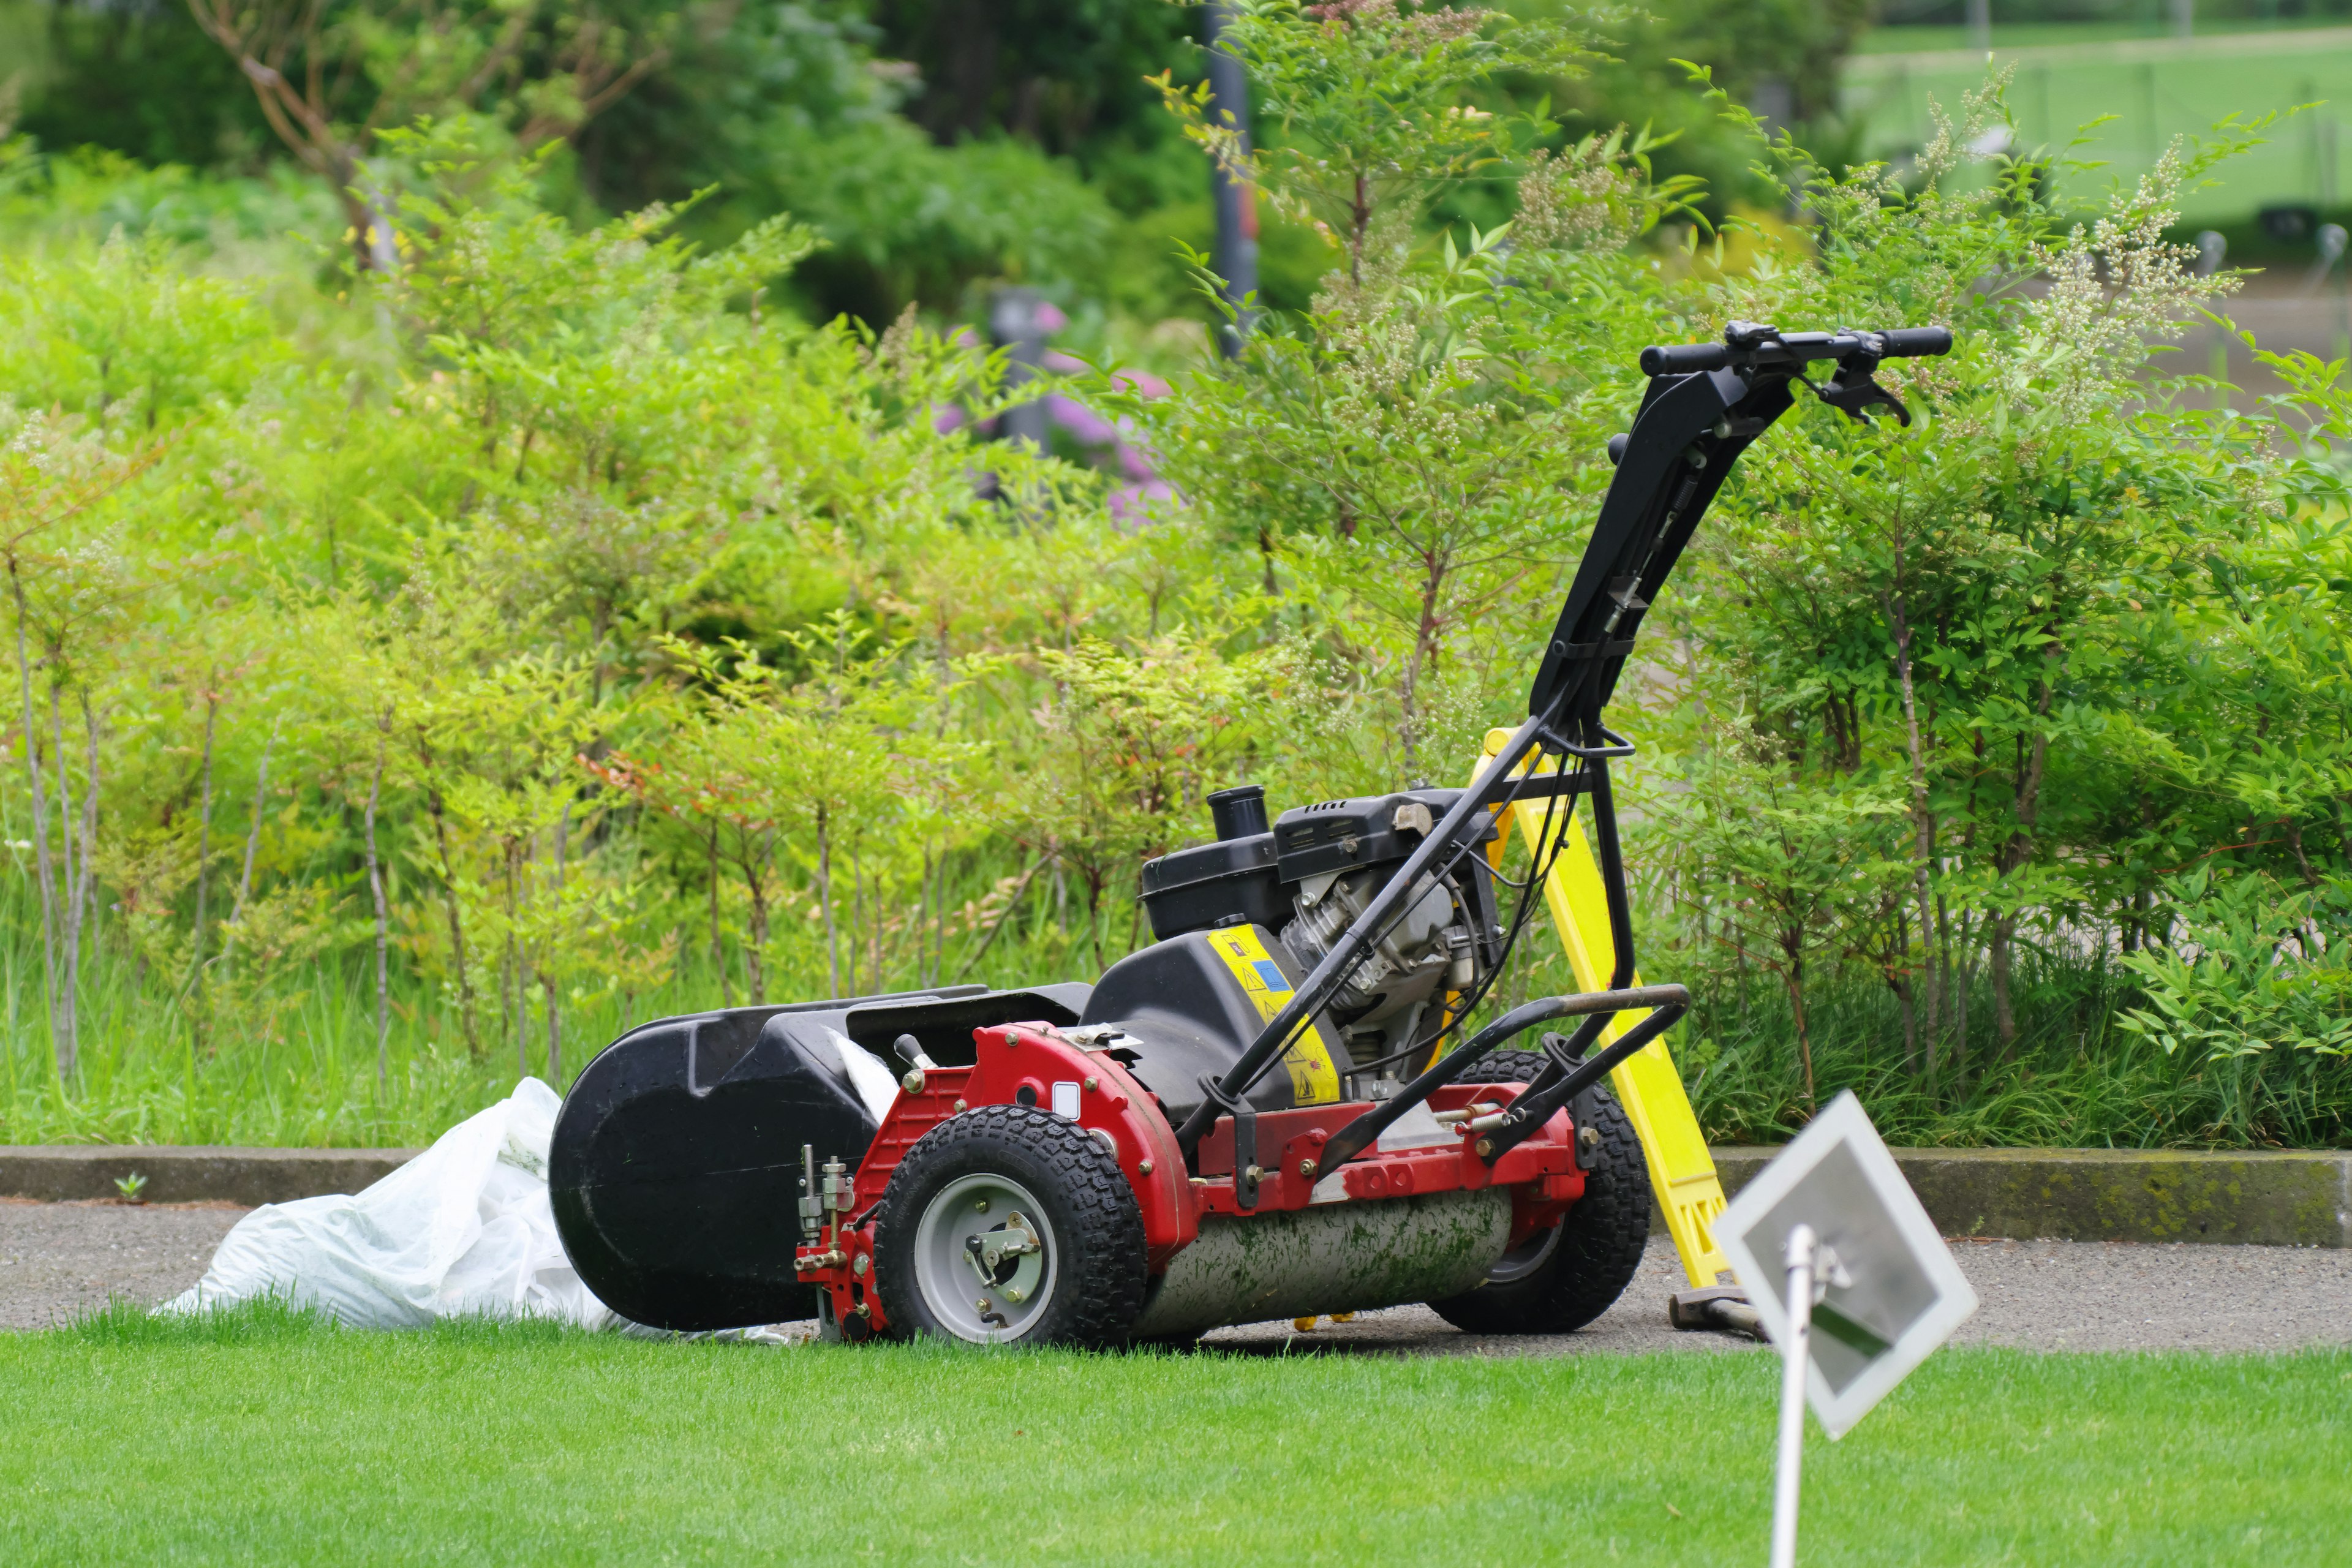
column 1065, row 1101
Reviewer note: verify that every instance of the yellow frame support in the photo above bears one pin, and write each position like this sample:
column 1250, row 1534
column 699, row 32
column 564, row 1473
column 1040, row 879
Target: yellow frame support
column 1681, row 1172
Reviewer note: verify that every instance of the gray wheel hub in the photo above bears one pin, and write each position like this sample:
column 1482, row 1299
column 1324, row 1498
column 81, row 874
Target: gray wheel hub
column 985, row 1258
column 1525, row 1259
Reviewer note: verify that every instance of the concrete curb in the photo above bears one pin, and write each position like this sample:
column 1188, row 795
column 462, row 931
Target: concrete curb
column 57, row 1173
column 2265, row 1198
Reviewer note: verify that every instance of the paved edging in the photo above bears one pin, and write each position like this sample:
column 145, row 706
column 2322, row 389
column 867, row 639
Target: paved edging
column 2268, row 1197
column 184, row 1176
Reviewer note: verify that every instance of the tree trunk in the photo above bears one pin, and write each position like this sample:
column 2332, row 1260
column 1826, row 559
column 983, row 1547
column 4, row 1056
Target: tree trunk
column 68, row 931
column 755, row 951
column 938, row 920
column 546, row 979
column 2018, row 846
column 1943, row 963
column 252, row 844
column 1793, row 975
column 718, row 947
column 46, row 872
column 456, row 924
column 856, row 915
column 1923, row 817
column 825, row 901
column 1997, row 962
column 1422, row 660
column 205, row 830
column 1964, row 983
column 1898, row 980
column 79, row 876
column 923, row 917
column 510, row 979
column 1004, row 917
column 383, row 912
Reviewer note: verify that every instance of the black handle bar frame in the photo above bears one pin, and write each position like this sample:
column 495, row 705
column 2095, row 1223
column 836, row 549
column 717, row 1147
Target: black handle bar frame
column 1704, row 405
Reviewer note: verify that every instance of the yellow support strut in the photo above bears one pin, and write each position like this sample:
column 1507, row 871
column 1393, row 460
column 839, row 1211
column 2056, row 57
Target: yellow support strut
column 1681, row 1172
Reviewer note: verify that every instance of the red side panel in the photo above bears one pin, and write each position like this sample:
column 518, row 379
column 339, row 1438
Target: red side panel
column 1031, row 1057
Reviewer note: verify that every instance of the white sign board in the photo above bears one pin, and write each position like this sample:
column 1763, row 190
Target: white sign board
column 1894, row 1292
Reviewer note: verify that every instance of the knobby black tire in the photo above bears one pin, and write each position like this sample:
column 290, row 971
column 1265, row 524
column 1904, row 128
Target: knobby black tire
column 1600, row 1239
column 1097, row 1224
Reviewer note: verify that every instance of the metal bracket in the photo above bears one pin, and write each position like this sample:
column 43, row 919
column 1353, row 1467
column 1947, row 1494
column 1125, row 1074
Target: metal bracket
column 1618, row 745
column 1722, row 1308
column 1245, row 1166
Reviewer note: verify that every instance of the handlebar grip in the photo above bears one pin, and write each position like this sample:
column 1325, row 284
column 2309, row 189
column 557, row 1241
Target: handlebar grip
column 1683, row 358
column 1911, row 342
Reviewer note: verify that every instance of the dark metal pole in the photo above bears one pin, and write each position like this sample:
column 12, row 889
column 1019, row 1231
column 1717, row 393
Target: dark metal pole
column 1016, row 320
column 1237, row 202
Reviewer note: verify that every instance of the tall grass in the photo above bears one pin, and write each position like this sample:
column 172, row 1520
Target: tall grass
column 291, row 1060
column 295, row 1063
column 2069, row 1079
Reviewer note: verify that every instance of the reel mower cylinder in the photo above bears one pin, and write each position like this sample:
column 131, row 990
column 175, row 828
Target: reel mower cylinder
column 1329, row 1257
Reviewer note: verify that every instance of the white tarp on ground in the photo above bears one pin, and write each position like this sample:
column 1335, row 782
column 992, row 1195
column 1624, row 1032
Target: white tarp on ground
column 462, row 1230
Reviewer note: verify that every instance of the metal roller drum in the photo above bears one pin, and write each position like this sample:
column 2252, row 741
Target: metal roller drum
column 1331, row 1257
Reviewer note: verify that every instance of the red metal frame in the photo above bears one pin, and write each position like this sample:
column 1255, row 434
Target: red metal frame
column 1541, row 1171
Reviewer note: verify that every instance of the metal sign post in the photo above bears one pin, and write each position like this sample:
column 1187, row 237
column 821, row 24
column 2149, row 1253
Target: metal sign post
column 1864, row 1265
column 1785, row 1487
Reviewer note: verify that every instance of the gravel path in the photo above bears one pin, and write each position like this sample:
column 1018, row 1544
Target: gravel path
column 2038, row 1295
column 56, row 1259
column 2034, row 1295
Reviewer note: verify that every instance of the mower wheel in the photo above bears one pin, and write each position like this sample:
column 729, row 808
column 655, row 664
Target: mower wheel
column 1009, row 1225
column 1560, row 1280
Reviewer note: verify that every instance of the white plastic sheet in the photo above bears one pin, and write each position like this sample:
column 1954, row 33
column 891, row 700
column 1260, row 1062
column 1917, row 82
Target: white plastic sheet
column 464, row 1230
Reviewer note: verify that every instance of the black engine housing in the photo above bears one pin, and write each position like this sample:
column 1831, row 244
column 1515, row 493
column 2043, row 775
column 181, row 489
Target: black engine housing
column 1247, row 875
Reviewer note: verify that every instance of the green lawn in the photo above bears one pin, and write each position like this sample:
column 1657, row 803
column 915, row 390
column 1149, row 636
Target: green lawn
column 2155, row 88
column 266, row 1440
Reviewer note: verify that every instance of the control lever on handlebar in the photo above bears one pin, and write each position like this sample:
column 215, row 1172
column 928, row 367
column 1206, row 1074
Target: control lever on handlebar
column 1851, row 389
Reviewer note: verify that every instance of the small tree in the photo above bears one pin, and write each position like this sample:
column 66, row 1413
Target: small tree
column 67, row 596
column 1126, row 749
column 1797, row 858
column 330, row 78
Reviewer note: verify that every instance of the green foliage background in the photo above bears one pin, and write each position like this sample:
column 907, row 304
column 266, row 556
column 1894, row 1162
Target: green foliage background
column 420, row 672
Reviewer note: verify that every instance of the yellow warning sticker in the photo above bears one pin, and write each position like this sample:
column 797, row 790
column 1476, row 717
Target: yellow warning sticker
column 1314, row 1080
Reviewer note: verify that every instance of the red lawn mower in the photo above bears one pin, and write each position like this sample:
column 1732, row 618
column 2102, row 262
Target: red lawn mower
column 1269, row 1112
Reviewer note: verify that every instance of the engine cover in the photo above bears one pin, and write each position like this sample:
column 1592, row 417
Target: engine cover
column 1363, row 830
column 1191, row 1005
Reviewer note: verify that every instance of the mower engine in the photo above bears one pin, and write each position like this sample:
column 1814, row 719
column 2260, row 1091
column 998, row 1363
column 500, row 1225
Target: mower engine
column 1310, row 877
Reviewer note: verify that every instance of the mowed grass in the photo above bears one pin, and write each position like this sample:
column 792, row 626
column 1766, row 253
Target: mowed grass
column 2157, row 91
column 264, row 1438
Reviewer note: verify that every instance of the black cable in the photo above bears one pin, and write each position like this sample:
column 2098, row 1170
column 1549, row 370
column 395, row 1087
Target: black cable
column 1439, row 874
column 1538, row 874
column 1561, row 701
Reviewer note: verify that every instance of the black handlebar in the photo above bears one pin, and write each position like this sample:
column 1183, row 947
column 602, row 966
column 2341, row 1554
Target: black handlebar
column 1917, row 343
column 1746, row 344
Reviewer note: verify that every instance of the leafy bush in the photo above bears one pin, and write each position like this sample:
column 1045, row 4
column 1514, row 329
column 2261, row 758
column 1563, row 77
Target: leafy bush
column 424, row 669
